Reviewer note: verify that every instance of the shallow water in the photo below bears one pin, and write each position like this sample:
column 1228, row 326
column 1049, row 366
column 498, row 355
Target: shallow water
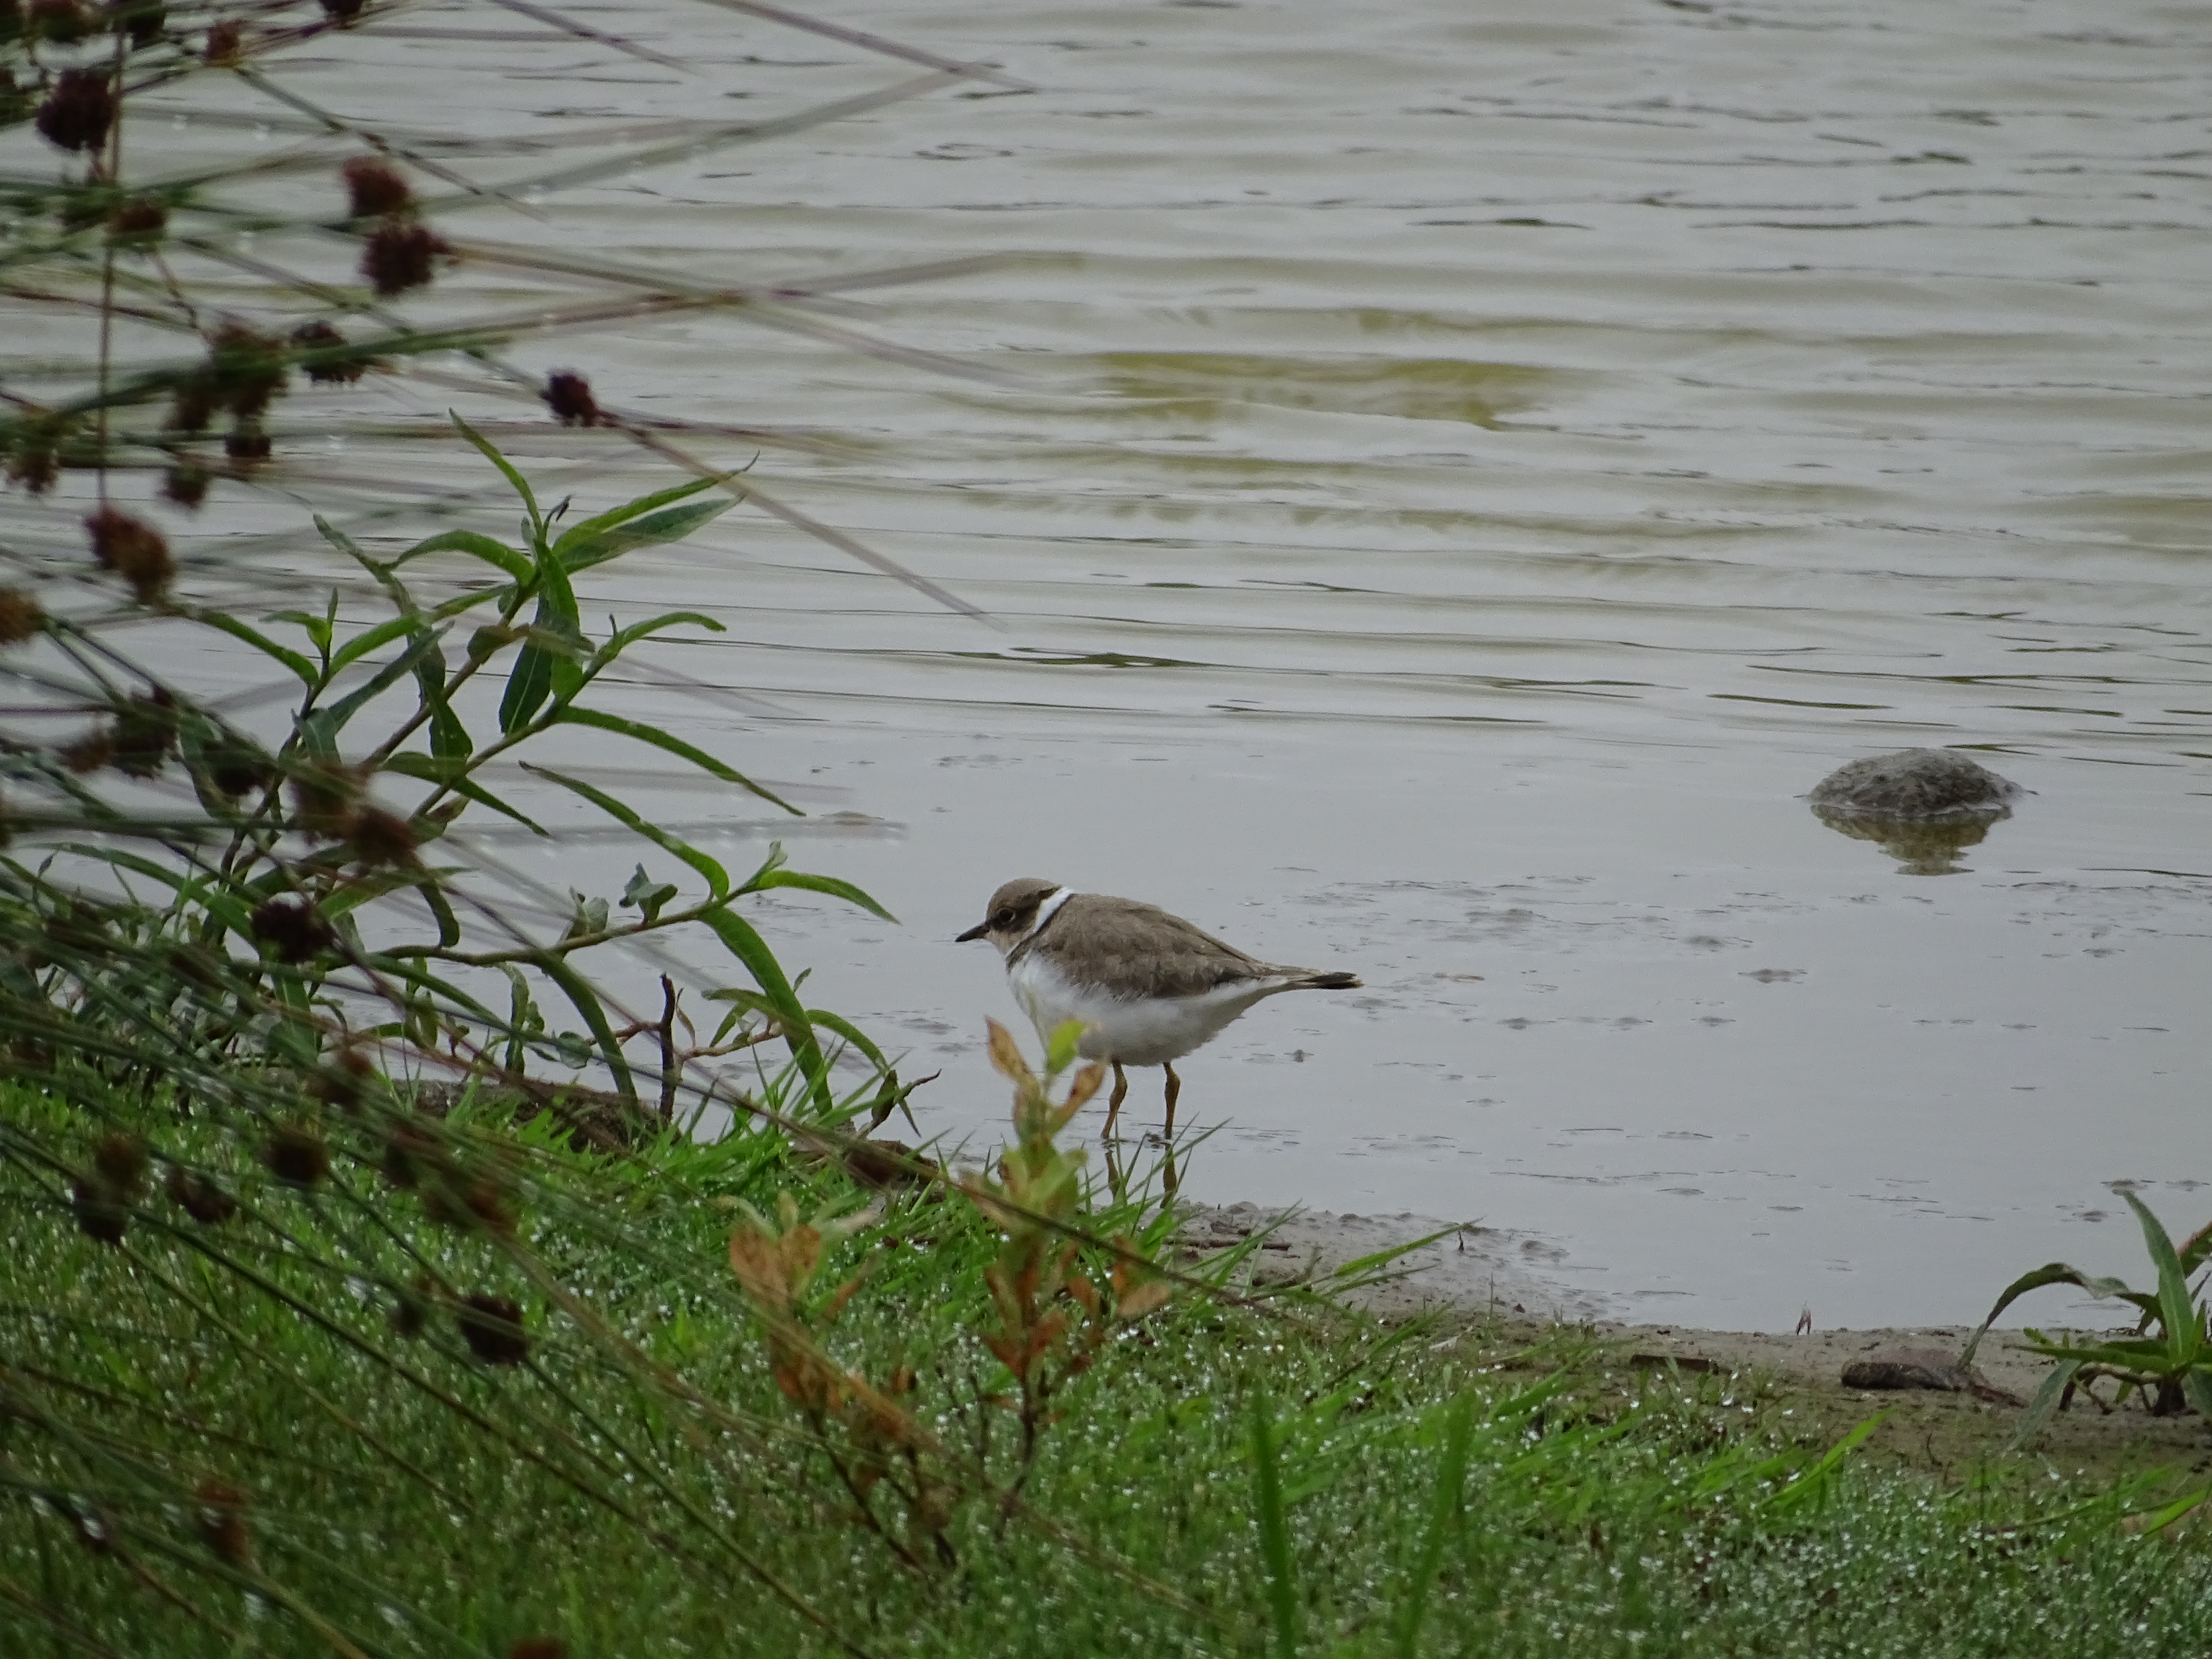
column 1457, row 475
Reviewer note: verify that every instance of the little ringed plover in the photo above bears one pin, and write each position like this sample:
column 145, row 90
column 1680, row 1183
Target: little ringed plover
column 1151, row 986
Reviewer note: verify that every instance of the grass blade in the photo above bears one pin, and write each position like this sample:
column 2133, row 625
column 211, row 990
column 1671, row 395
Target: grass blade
column 1274, row 1530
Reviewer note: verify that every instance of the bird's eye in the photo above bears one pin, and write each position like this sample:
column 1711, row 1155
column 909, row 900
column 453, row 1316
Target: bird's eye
column 1004, row 918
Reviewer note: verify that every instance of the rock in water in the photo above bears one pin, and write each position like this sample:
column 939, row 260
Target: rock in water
column 1922, row 805
column 1915, row 786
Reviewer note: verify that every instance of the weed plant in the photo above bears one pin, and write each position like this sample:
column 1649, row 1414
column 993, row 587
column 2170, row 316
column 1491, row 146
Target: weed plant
column 366, row 1291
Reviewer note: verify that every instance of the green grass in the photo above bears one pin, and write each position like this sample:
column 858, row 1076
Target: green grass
column 1225, row 1480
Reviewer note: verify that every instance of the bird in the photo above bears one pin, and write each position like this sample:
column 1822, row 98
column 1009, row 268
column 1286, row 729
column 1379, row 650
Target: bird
column 1149, row 987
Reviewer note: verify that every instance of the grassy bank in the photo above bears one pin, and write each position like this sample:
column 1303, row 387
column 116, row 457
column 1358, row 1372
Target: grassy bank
column 372, row 1474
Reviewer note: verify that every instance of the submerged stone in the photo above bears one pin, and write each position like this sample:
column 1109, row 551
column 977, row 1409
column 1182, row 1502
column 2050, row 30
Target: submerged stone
column 1923, row 806
column 1921, row 786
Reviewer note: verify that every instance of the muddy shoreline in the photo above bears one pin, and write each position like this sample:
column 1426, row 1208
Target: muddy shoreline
column 1492, row 1289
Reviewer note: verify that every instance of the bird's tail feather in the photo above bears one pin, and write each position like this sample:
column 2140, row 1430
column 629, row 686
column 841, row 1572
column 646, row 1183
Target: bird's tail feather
column 1339, row 981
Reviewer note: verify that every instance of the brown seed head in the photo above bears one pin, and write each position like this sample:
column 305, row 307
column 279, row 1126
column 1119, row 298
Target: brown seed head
column 133, row 549
column 100, row 1213
column 247, row 443
column 222, row 1522
column 407, row 1153
column 143, row 21
column 398, row 256
column 144, row 734
column 79, row 111
column 62, row 21
column 246, row 369
column 343, row 12
column 121, row 1161
column 410, row 1310
column 34, row 463
column 295, row 1154
column 374, row 187
column 239, row 770
column 538, row 1647
column 138, row 222
column 293, row 928
column 333, row 370
column 20, row 615
column 92, row 752
column 200, row 1198
column 326, row 798
column 492, row 1327
column 225, row 44
column 340, row 1081
column 186, row 484
column 568, row 395
column 377, row 837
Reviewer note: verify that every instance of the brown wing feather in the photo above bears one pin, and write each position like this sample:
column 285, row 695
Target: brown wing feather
column 1127, row 934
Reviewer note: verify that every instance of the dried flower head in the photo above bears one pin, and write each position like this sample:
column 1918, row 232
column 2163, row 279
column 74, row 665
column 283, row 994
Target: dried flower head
column 408, row 1151
column 144, row 20
column 247, row 443
column 92, row 752
column 343, row 12
column 485, row 1202
column 34, row 462
column 100, row 1212
column 144, row 734
column 79, row 111
column 338, row 367
column 245, row 369
column 133, row 549
column 237, row 770
column 222, row 1522
column 295, row 1154
column 374, row 188
column 121, row 1160
column 492, row 1327
column 568, row 395
column 186, row 484
column 378, row 837
column 62, row 21
column 225, row 44
column 398, row 256
column 200, row 1198
column 139, row 222
column 294, row 929
column 538, row 1647
column 326, row 796
column 20, row 615
column 340, row 1082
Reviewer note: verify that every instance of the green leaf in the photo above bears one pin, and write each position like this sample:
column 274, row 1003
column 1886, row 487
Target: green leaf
column 2185, row 1326
column 529, row 683
column 1060, row 1048
column 852, row 1034
column 673, row 525
column 833, row 885
column 317, row 628
column 718, row 879
column 373, row 639
column 659, row 740
column 2051, row 1272
column 2045, row 1401
column 267, row 647
column 1813, row 1483
column 2196, row 1389
column 751, row 950
column 1444, row 1500
column 624, row 638
column 331, row 720
column 511, row 560
column 449, row 774
column 491, row 453
column 1274, row 1530
column 584, row 530
column 587, row 1004
column 647, row 897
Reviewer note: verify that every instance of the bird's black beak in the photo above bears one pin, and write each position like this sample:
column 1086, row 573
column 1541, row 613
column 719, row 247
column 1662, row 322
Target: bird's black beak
column 975, row 932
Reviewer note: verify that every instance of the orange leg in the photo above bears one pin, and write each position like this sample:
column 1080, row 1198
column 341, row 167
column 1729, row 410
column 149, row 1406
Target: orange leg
column 1174, row 1088
column 1114, row 1101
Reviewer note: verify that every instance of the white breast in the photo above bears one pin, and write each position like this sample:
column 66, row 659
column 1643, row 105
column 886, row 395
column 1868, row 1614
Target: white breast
column 1132, row 1030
